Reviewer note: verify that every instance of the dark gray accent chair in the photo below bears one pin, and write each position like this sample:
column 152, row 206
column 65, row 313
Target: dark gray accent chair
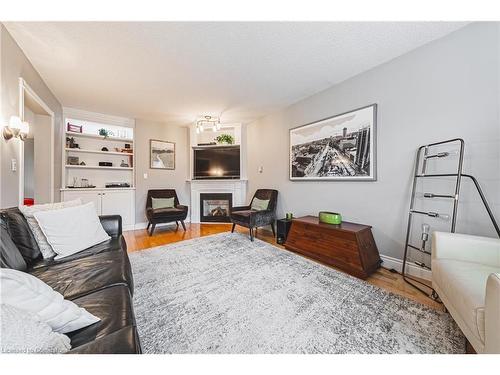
column 164, row 215
column 252, row 219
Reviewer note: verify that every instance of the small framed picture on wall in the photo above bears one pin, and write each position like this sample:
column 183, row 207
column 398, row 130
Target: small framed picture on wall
column 161, row 154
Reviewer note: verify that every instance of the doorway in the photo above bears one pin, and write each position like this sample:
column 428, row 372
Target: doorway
column 36, row 172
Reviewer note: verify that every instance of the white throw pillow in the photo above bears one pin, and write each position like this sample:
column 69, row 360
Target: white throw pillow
column 73, row 229
column 29, row 211
column 30, row 294
column 23, row 332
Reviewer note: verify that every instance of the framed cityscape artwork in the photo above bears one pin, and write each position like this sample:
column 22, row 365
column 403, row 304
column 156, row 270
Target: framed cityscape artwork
column 338, row 148
column 161, row 154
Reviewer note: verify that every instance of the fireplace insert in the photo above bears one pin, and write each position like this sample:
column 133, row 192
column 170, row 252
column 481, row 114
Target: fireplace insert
column 214, row 207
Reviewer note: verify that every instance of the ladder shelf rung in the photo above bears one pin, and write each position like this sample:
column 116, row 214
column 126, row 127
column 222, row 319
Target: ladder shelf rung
column 432, row 195
column 438, row 155
column 423, row 175
column 422, row 265
column 419, row 249
column 429, row 213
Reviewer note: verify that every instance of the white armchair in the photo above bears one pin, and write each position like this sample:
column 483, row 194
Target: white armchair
column 466, row 276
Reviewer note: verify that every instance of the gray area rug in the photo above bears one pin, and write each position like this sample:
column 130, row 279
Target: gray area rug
column 225, row 294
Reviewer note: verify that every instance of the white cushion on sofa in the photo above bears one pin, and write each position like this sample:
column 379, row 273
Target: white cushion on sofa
column 30, row 294
column 29, row 211
column 73, row 229
column 465, row 284
column 24, row 332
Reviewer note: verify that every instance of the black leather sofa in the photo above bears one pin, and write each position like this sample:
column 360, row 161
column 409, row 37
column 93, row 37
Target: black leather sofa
column 98, row 279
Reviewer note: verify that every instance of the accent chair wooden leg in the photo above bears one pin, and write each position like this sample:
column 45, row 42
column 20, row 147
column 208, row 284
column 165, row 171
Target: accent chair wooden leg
column 272, row 228
column 177, row 223
column 149, row 224
column 153, row 226
column 251, row 234
column 232, row 229
column 183, row 225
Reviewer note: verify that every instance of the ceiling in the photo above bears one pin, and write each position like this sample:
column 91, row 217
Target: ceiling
column 177, row 71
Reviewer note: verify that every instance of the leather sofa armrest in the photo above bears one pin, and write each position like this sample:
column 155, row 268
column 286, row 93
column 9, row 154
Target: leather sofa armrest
column 466, row 248
column 112, row 224
column 492, row 315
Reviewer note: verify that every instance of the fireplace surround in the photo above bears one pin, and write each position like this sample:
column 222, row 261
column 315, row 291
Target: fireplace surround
column 237, row 189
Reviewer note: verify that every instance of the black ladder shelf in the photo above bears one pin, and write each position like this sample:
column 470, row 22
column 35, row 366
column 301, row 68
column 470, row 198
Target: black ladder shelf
column 423, row 154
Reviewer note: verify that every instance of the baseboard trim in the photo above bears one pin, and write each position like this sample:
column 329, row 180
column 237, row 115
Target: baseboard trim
column 411, row 268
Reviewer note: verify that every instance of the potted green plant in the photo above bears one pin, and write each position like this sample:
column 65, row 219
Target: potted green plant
column 105, row 132
column 225, row 139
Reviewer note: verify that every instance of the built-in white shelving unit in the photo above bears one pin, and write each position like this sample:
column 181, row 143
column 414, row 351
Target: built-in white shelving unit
column 107, row 201
column 100, row 152
column 90, row 151
column 97, row 136
column 97, row 167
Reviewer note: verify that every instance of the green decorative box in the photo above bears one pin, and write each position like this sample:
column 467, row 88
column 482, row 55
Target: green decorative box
column 330, row 217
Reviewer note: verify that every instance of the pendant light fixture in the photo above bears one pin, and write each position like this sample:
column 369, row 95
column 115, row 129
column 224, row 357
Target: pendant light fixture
column 209, row 122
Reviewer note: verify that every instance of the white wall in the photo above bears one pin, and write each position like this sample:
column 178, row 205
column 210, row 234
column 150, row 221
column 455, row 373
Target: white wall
column 14, row 64
column 448, row 88
column 160, row 178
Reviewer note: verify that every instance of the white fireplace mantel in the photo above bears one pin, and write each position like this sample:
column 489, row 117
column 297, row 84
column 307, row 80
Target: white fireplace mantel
column 237, row 188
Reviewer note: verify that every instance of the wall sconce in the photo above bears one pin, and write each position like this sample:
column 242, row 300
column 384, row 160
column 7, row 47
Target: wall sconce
column 16, row 129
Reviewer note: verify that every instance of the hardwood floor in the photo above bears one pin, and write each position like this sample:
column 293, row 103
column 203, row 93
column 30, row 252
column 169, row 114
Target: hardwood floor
column 139, row 240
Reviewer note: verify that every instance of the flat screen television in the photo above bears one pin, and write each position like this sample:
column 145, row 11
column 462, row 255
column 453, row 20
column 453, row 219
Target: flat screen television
column 217, row 163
